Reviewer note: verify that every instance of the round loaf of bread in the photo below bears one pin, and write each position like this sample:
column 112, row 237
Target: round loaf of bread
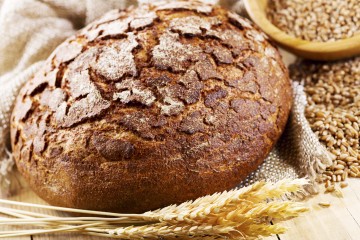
column 151, row 106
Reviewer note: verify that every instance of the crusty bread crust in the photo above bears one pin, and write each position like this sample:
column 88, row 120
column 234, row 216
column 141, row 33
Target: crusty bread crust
column 151, row 106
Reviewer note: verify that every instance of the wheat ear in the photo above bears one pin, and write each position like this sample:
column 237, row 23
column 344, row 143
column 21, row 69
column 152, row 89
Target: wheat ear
column 207, row 209
column 237, row 214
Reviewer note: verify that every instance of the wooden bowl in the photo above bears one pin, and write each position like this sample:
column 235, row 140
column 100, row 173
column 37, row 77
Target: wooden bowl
column 310, row 50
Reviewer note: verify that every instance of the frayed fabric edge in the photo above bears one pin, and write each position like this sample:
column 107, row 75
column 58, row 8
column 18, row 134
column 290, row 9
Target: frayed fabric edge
column 320, row 159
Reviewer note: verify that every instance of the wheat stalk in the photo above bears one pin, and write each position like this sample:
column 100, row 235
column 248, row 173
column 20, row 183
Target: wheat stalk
column 237, row 214
column 179, row 230
column 205, row 209
column 191, row 231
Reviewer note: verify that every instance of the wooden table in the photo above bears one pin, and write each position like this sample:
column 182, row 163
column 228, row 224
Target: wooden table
column 340, row 221
column 27, row 195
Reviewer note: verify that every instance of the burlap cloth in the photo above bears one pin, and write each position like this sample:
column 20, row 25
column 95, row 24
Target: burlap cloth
column 31, row 29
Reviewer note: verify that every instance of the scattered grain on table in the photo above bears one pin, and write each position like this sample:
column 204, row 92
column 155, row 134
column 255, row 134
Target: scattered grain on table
column 324, row 204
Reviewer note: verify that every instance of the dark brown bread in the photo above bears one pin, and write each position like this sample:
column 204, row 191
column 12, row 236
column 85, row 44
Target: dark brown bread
column 151, row 106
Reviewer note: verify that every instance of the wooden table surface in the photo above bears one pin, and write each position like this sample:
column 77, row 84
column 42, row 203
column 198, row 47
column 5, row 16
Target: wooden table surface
column 340, row 221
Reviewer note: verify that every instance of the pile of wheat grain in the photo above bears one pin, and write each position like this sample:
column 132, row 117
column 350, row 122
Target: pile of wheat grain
column 333, row 111
column 316, row 20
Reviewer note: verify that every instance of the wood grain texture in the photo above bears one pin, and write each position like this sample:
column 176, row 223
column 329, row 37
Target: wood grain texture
column 25, row 194
column 341, row 221
column 310, row 50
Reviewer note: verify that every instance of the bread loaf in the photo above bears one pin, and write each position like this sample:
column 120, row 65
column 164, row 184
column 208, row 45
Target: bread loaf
column 151, row 106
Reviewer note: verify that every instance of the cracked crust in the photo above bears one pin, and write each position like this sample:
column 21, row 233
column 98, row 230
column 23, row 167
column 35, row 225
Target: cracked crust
column 149, row 107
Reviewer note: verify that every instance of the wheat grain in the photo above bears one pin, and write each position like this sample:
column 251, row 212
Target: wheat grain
column 324, row 204
column 316, row 20
column 333, row 96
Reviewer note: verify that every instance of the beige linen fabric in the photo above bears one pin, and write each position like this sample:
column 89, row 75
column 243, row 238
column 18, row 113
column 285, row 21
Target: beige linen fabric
column 31, row 29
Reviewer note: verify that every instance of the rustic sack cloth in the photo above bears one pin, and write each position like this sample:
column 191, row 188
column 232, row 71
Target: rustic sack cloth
column 31, row 29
